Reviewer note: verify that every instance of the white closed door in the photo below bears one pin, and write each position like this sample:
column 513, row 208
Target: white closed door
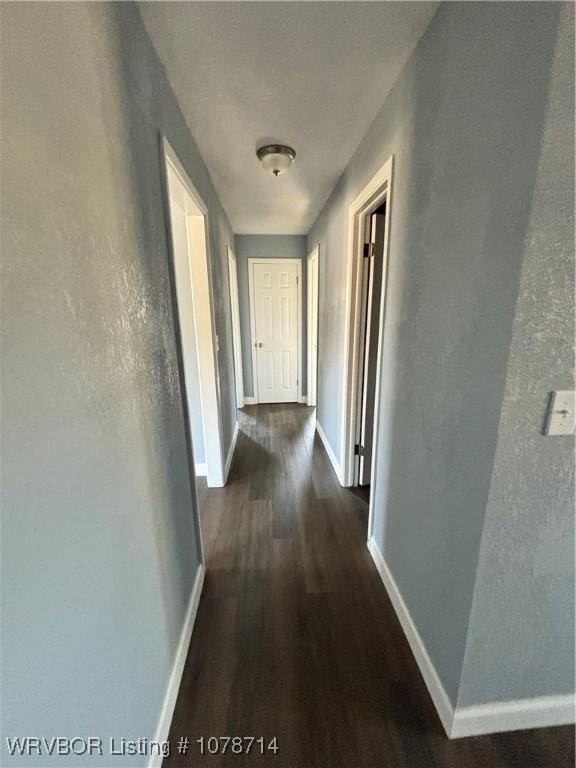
column 275, row 306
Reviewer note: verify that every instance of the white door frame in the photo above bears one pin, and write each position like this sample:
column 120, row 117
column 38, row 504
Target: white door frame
column 378, row 189
column 312, row 326
column 236, row 334
column 253, row 340
column 197, row 225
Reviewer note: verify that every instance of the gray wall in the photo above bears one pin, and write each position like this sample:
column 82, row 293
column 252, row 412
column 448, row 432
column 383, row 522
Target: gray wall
column 266, row 247
column 100, row 539
column 464, row 122
column 521, row 635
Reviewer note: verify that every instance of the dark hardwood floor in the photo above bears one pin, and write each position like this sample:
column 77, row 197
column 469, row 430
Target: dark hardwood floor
column 295, row 636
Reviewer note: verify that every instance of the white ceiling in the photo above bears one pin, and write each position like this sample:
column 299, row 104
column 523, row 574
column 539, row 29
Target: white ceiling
column 309, row 74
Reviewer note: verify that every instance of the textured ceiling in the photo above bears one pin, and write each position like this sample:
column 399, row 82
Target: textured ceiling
column 309, row 74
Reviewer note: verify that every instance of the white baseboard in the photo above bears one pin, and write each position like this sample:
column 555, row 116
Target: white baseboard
column 231, row 452
column 433, row 683
column 167, row 711
column 254, row 401
column 541, row 712
column 200, row 469
column 330, row 452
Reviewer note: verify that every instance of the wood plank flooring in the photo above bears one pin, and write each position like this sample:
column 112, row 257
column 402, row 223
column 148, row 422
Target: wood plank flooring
column 295, row 636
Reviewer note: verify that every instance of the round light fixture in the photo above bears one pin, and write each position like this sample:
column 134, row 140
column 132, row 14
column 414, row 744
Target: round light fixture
column 276, row 158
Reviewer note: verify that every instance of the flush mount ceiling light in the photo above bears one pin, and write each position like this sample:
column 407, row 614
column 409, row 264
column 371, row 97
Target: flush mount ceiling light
column 276, row 158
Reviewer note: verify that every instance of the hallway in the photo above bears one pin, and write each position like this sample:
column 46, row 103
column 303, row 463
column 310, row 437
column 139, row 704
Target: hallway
column 295, row 636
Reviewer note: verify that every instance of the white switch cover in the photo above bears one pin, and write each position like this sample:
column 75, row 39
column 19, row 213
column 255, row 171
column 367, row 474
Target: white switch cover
column 562, row 413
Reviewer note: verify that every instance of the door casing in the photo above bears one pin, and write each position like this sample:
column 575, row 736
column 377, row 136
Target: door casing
column 376, row 191
column 178, row 183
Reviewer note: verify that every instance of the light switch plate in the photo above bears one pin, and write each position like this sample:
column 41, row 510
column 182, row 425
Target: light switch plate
column 562, row 413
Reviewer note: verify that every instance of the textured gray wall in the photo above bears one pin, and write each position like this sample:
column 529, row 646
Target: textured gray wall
column 100, row 539
column 521, row 636
column 464, row 122
column 266, row 247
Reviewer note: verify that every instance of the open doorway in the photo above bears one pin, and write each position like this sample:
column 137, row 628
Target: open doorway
column 189, row 235
column 368, row 241
column 372, row 280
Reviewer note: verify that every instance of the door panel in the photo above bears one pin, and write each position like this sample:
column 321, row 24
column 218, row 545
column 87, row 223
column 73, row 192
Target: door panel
column 276, row 297
column 236, row 333
column 373, row 287
column 312, row 326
